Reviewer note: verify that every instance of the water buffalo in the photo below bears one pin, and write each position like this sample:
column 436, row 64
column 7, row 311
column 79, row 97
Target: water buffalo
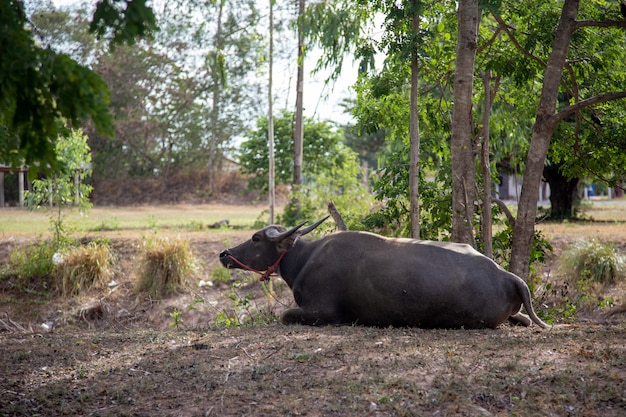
column 363, row 278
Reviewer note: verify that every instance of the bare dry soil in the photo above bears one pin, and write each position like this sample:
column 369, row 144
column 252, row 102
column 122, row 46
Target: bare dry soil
column 133, row 358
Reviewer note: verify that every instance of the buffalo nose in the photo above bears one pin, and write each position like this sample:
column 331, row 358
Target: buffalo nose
column 224, row 253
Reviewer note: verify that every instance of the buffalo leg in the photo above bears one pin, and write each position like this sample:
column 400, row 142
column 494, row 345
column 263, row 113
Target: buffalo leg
column 301, row 316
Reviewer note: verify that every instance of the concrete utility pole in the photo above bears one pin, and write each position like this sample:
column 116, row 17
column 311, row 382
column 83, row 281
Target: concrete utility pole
column 270, row 120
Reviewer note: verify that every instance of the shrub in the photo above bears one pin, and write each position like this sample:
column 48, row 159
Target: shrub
column 84, row 268
column 165, row 265
column 32, row 265
column 591, row 260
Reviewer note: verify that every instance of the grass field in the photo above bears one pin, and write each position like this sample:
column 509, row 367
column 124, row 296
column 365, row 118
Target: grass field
column 601, row 219
column 23, row 222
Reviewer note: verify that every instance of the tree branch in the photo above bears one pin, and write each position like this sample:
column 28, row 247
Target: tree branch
column 600, row 98
column 599, row 24
column 490, row 42
column 506, row 28
column 505, row 210
column 341, row 225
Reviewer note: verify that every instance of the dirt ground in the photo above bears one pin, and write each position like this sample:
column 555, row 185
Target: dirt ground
column 133, row 358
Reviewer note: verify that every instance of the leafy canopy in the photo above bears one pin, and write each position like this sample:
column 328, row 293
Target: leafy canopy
column 39, row 86
column 321, row 150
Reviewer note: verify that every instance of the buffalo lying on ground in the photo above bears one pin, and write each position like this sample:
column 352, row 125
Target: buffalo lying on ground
column 363, row 278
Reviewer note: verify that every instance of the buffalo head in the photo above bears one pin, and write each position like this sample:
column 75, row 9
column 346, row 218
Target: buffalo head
column 263, row 251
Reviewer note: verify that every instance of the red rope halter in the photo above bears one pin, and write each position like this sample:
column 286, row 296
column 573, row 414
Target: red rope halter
column 264, row 275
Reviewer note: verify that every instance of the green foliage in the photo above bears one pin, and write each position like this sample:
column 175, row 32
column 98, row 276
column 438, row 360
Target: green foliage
column 321, row 153
column 33, row 265
column 244, row 311
column 503, row 240
column 177, row 319
column 165, row 265
column 342, row 184
column 220, row 275
column 84, row 268
column 337, row 28
column 592, row 260
column 38, row 87
column 65, row 186
column 123, row 20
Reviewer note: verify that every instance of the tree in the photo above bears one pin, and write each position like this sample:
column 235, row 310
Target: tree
column 321, row 140
column 39, row 86
column 65, row 187
column 298, row 132
column 547, row 118
column 414, row 132
column 461, row 143
column 163, row 91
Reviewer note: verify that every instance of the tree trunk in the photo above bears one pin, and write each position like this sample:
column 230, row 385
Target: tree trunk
column 217, row 84
column 414, row 135
column 545, row 122
column 270, row 118
column 462, row 151
column 298, row 134
column 484, row 158
column 563, row 192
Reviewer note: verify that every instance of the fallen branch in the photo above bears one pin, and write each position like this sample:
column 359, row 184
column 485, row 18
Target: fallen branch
column 11, row 326
column 341, row 225
column 505, row 209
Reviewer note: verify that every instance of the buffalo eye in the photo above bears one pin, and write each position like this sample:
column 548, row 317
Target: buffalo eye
column 256, row 238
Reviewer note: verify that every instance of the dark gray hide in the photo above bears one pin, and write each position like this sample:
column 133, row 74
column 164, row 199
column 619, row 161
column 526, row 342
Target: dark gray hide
column 363, row 278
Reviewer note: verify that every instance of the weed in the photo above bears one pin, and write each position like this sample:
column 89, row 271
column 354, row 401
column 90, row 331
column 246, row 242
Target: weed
column 244, row 311
column 108, row 225
column 177, row 319
column 83, row 268
column 591, row 260
column 194, row 226
column 165, row 265
column 152, row 222
column 220, row 275
column 32, row 265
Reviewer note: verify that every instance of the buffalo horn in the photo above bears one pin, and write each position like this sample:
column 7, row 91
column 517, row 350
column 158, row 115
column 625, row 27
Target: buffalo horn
column 274, row 236
column 312, row 227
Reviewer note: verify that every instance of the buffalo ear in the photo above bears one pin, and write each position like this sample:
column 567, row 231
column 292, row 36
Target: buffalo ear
column 273, row 235
column 312, row 227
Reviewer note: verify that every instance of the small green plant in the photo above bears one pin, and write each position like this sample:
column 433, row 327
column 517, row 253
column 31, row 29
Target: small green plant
column 165, row 266
column 177, row 319
column 194, row 226
column 606, row 303
column 108, row 225
column 244, row 312
column 220, row 275
column 592, row 260
column 64, row 187
column 83, row 268
column 152, row 222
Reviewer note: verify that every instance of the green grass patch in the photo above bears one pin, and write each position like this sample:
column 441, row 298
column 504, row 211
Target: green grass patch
column 15, row 221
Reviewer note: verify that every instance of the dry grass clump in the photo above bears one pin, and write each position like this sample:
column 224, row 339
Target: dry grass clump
column 84, row 268
column 592, row 260
column 165, row 265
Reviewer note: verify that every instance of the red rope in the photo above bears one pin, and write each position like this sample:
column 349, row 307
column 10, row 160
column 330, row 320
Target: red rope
column 264, row 275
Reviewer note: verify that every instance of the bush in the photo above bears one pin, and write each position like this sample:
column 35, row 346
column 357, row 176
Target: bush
column 84, row 268
column 32, row 265
column 165, row 265
column 591, row 260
